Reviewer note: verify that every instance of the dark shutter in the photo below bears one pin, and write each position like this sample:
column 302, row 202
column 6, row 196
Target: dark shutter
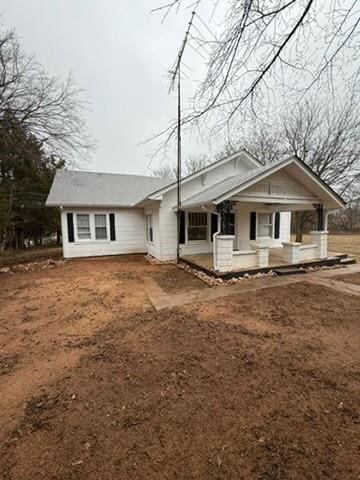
column 182, row 228
column 112, row 226
column 214, row 224
column 252, row 225
column 277, row 225
column 70, row 225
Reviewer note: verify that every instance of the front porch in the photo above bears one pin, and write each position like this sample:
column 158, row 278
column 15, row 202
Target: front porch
column 242, row 224
column 205, row 262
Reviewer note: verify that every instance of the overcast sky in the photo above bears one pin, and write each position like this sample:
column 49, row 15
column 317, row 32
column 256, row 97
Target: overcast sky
column 119, row 54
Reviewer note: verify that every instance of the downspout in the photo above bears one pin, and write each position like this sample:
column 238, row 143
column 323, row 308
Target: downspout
column 214, row 236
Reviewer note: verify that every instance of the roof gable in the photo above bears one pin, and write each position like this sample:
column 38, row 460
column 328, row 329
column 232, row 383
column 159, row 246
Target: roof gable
column 245, row 157
column 238, row 183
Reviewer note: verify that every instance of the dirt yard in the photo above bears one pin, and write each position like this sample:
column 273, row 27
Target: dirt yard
column 95, row 384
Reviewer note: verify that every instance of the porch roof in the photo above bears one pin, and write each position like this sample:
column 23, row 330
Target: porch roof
column 233, row 185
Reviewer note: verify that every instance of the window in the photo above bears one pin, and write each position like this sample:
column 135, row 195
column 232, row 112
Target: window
column 149, row 227
column 83, row 226
column 100, row 227
column 264, row 226
column 197, row 226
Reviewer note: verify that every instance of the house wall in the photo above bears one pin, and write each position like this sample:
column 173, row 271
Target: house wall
column 242, row 239
column 129, row 230
column 154, row 248
column 168, row 232
column 168, row 218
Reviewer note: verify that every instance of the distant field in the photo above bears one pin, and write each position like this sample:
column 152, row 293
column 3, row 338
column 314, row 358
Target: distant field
column 343, row 243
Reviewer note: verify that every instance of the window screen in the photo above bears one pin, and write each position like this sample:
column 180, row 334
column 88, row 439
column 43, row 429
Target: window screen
column 83, row 226
column 197, row 226
column 100, row 227
column 264, row 228
column 149, row 228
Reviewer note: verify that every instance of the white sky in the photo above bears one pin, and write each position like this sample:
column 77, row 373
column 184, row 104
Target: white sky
column 119, row 54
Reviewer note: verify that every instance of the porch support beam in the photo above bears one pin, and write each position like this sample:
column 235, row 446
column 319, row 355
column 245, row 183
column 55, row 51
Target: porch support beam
column 224, row 210
column 320, row 216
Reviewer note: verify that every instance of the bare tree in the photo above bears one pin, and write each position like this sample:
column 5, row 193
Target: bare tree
column 324, row 136
column 270, row 53
column 48, row 108
column 193, row 163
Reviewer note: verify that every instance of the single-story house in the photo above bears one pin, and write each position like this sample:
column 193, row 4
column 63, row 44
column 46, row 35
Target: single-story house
column 235, row 209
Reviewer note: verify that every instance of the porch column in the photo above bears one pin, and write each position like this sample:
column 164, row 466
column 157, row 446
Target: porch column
column 263, row 255
column 291, row 252
column 320, row 217
column 223, row 245
column 224, row 210
column 320, row 239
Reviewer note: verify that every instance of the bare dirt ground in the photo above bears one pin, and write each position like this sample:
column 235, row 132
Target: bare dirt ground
column 95, row 384
column 352, row 278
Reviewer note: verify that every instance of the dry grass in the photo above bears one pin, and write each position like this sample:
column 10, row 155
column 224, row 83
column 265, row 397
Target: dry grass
column 343, row 243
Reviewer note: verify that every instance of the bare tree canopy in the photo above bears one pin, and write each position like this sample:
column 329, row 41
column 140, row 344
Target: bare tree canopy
column 47, row 108
column 41, row 129
column 270, row 54
column 325, row 137
column 193, row 163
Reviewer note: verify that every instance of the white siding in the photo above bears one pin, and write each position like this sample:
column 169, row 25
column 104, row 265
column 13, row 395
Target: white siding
column 153, row 248
column 129, row 228
column 282, row 184
column 242, row 239
column 167, row 215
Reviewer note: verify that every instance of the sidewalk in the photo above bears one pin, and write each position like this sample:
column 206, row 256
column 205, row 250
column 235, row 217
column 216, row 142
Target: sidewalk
column 161, row 299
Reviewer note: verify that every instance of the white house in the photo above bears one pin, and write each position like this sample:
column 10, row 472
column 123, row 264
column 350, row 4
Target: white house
column 235, row 209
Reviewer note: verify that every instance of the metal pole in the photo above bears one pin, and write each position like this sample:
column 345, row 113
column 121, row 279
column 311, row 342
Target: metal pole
column 178, row 165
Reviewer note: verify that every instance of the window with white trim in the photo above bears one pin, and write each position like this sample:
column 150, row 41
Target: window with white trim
column 83, row 226
column 149, row 227
column 100, row 227
column 197, row 226
column 264, row 225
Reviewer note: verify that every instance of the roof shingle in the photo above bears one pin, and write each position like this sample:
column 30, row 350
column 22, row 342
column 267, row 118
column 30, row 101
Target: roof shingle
column 77, row 188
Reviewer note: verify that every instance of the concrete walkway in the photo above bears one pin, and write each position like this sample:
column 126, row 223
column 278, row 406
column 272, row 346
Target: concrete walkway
column 161, row 299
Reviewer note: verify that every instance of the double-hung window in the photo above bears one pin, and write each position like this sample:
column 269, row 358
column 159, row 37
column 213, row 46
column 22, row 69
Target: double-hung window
column 197, row 226
column 83, row 226
column 149, row 227
column 265, row 225
column 100, row 227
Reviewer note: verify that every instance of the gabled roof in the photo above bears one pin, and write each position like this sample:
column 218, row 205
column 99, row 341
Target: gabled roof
column 256, row 163
column 78, row 188
column 233, row 185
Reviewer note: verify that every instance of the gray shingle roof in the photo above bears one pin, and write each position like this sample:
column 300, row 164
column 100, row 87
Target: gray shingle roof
column 215, row 191
column 75, row 188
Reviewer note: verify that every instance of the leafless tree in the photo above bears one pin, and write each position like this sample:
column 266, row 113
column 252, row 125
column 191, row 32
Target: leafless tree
column 324, row 136
column 270, row 53
column 192, row 164
column 48, row 108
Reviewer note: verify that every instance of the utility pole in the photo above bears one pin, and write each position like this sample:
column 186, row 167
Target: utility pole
column 176, row 76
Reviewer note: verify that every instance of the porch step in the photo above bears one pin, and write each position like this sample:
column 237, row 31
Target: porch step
column 348, row 261
column 289, row 271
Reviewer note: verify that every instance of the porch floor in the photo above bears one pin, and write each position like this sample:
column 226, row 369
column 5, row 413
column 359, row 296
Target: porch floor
column 205, row 260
